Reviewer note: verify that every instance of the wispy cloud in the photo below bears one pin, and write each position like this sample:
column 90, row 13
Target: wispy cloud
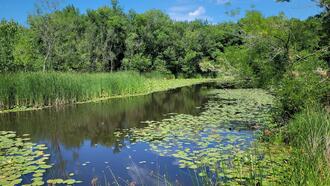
column 188, row 13
column 198, row 12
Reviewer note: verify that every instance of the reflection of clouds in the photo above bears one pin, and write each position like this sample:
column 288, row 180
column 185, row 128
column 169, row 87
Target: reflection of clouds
column 144, row 176
column 176, row 162
column 86, row 132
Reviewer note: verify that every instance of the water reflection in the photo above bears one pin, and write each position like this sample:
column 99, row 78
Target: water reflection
column 71, row 125
column 85, row 133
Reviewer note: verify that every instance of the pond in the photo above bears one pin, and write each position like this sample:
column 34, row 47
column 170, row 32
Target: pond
column 186, row 136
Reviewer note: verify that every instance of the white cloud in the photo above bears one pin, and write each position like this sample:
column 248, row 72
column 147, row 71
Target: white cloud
column 198, row 12
column 188, row 13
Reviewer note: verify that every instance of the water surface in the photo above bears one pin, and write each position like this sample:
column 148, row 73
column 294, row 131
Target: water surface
column 81, row 137
column 94, row 140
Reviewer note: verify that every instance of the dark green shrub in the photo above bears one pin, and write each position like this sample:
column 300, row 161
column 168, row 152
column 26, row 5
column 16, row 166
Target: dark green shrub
column 302, row 86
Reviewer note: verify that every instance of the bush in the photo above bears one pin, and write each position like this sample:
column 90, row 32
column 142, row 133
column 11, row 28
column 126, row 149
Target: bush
column 138, row 62
column 235, row 61
column 302, row 86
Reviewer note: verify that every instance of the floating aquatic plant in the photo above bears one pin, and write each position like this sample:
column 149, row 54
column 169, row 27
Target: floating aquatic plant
column 61, row 181
column 19, row 157
column 219, row 141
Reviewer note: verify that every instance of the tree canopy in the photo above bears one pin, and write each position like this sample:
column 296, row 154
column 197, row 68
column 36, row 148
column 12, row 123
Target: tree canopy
column 108, row 39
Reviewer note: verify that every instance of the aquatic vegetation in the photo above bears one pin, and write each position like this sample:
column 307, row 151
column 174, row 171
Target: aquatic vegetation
column 218, row 145
column 46, row 89
column 23, row 91
column 61, row 181
column 19, row 157
column 219, row 141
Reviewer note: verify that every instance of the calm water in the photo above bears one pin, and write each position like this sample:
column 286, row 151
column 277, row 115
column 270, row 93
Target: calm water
column 81, row 138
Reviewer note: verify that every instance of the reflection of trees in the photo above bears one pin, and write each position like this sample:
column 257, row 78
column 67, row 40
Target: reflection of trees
column 58, row 170
column 71, row 125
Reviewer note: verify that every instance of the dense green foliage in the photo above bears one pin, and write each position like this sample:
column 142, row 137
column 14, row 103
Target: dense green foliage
column 107, row 39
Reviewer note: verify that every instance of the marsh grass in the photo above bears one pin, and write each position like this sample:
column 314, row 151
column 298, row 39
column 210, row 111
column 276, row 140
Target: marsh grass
column 44, row 89
column 19, row 91
column 310, row 133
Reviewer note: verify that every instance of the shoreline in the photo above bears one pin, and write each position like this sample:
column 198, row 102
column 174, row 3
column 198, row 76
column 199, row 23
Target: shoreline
column 178, row 83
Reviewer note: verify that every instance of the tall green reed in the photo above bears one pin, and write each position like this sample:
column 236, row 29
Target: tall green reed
column 45, row 89
column 310, row 136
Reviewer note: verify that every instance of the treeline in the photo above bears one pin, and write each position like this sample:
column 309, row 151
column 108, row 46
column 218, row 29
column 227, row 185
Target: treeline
column 108, row 39
column 262, row 49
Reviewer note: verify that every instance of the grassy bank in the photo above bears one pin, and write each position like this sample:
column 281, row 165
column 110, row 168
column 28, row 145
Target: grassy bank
column 310, row 160
column 305, row 123
column 24, row 91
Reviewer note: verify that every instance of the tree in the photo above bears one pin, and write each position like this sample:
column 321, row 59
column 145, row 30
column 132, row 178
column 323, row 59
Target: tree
column 270, row 42
column 149, row 35
column 325, row 33
column 107, row 40
column 114, row 4
column 105, row 35
column 69, row 29
column 8, row 37
column 26, row 54
column 138, row 62
column 42, row 24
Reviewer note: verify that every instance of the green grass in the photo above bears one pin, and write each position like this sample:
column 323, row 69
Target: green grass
column 310, row 159
column 23, row 91
column 44, row 89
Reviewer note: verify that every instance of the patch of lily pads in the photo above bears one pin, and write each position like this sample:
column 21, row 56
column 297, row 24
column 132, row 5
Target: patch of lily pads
column 219, row 144
column 19, row 157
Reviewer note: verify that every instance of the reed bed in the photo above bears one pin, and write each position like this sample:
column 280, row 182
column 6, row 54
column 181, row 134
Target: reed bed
column 22, row 91
column 45, row 89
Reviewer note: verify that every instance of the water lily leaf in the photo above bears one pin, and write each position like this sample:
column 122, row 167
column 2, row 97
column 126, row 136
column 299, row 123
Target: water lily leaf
column 69, row 181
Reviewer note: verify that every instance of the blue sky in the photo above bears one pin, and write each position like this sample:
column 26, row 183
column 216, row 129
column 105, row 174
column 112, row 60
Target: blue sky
column 213, row 10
